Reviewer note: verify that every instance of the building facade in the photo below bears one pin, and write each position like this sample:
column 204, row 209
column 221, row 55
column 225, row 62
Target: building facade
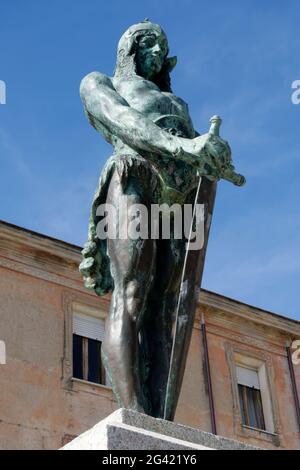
column 53, row 386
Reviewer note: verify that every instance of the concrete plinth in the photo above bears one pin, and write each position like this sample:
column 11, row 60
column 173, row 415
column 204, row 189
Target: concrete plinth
column 129, row 430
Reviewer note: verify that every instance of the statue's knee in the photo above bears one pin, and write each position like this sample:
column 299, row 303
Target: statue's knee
column 134, row 300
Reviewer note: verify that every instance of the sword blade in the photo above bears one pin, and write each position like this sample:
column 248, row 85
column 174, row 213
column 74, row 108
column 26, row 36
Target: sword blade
column 168, row 396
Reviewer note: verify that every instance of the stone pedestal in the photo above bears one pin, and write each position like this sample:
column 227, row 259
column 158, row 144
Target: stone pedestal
column 129, row 430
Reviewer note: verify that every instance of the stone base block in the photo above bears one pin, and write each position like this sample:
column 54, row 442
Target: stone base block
column 129, row 430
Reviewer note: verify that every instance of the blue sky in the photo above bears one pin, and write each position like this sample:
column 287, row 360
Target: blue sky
column 235, row 58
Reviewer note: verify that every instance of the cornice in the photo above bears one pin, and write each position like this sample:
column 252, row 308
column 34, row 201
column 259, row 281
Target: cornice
column 25, row 238
column 247, row 312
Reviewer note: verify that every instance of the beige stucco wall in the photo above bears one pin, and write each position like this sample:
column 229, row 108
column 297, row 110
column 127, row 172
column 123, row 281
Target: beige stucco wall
column 41, row 406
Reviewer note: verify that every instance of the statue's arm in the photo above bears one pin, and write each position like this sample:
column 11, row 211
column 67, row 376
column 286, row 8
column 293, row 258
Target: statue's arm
column 105, row 106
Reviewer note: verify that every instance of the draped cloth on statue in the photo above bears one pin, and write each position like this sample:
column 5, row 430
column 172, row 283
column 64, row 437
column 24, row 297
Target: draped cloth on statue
column 157, row 186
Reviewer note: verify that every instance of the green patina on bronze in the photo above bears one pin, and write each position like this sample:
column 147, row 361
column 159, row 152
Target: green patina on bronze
column 158, row 158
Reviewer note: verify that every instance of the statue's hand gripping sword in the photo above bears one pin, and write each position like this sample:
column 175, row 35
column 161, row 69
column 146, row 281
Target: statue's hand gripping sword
column 220, row 153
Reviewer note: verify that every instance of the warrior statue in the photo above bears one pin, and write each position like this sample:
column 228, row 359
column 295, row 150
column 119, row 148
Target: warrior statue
column 158, row 158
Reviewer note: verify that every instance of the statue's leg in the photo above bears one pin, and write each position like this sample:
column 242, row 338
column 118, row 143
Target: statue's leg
column 161, row 316
column 132, row 263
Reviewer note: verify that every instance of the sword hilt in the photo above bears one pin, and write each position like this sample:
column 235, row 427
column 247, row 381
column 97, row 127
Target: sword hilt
column 215, row 123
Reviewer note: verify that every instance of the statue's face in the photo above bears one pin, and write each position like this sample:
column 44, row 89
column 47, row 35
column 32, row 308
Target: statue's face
column 151, row 53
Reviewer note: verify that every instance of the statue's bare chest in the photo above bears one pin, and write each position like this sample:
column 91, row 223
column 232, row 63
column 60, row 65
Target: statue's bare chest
column 145, row 97
column 170, row 113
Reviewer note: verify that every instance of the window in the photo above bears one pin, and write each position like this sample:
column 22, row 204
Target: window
column 88, row 334
column 250, row 398
column 255, row 406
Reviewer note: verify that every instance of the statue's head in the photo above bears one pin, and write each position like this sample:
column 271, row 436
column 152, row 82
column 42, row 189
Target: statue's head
column 143, row 51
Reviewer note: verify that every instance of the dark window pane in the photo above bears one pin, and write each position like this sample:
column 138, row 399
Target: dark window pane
column 242, row 404
column 77, row 357
column 256, row 416
column 94, row 361
column 259, row 410
column 251, row 407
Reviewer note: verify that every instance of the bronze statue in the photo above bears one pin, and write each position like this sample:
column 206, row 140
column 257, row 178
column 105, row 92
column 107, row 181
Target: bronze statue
column 158, row 158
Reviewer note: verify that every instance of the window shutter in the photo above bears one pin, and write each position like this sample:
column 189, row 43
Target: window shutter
column 88, row 326
column 248, row 377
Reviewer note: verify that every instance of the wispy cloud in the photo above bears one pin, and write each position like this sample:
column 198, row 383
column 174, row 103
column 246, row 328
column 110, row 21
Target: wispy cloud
column 11, row 154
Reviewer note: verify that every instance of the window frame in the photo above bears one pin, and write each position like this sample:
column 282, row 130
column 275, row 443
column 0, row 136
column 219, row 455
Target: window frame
column 244, row 391
column 250, row 362
column 72, row 301
column 247, row 356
